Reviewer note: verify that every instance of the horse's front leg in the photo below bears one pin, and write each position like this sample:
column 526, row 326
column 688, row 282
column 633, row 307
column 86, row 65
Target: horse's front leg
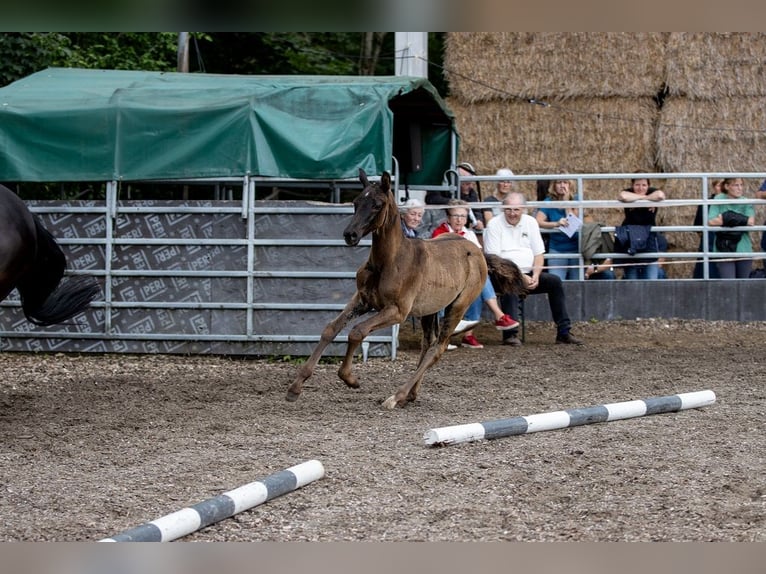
column 384, row 318
column 354, row 308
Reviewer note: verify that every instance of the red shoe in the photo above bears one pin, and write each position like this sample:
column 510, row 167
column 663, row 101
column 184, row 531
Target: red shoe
column 506, row 322
column 471, row 342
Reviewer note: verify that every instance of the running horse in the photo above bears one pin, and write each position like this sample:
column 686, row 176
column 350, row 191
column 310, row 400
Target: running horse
column 32, row 262
column 404, row 277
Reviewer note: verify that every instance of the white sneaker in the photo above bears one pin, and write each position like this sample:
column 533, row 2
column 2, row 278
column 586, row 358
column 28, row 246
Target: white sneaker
column 464, row 326
column 451, row 347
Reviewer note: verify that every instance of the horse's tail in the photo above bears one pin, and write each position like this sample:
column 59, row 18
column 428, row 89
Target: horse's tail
column 506, row 277
column 47, row 298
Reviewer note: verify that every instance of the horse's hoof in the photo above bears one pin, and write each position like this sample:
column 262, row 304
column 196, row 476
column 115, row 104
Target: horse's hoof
column 350, row 380
column 291, row 397
column 390, row 403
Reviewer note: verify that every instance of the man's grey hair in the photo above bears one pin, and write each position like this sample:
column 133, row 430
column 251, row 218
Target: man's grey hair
column 518, row 194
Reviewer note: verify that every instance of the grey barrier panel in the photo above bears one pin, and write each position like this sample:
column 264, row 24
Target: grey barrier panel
column 186, row 277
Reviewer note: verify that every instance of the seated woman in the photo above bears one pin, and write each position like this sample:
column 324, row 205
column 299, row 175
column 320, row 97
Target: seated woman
column 411, row 213
column 565, row 263
column 457, row 215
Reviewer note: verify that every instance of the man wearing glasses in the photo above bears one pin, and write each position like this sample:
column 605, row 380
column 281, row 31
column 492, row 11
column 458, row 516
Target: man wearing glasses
column 516, row 236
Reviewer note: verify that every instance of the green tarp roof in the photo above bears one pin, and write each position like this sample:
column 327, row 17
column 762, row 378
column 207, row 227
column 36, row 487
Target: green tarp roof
column 64, row 124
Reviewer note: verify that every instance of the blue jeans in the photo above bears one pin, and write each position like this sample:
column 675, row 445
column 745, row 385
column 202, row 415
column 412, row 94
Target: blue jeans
column 473, row 313
column 648, row 271
column 699, row 270
column 562, row 267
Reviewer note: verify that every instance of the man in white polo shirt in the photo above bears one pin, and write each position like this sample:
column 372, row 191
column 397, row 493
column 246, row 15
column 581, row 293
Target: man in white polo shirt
column 515, row 235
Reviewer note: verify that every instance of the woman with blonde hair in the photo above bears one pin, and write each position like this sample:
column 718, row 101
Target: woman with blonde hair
column 556, row 219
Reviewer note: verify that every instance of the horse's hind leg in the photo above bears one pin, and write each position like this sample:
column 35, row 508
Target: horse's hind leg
column 433, row 346
column 430, row 326
column 353, row 309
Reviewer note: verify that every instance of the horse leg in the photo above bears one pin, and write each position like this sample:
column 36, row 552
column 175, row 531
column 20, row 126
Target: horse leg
column 353, row 309
column 386, row 317
column 432, row 348
column 430, row 326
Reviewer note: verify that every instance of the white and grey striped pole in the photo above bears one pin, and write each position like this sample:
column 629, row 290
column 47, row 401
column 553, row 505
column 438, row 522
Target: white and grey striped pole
column 569, row 418
column 226, row 505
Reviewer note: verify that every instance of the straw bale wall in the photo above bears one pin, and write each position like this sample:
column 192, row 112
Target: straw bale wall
column 704, row 65
column 725, row 134
column 485, row 66
column 578, row 135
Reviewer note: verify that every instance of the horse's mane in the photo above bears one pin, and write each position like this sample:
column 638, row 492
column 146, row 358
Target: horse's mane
column 392, row 218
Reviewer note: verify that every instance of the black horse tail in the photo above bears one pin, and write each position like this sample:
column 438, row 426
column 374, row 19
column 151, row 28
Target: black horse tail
column 47, row 298
column 506, row 277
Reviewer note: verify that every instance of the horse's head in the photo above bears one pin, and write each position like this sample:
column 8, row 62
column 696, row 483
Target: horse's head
column 372, row 208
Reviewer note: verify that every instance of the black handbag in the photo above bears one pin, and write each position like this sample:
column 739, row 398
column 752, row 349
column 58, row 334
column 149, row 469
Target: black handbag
column 726, row 241
column 632, row 239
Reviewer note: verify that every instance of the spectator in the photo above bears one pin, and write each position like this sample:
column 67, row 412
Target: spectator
column 594, row 242
column 457, row 215
column 516, row 236
column 662, row 247
column 699, row 272
column 559, row 242
column 469, row 191
column 732, row 212
column 640, row 189
column 411, row 213
column 502, row 189
column 761, row 194
column 433, row 217
column 543, row 187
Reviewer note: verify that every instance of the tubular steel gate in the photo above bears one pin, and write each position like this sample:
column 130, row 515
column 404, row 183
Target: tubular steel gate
column 203, row 276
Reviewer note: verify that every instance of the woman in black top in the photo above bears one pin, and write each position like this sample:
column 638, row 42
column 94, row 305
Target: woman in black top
column 640, row 189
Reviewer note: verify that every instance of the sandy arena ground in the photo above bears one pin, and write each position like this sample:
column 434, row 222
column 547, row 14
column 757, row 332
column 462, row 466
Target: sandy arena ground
column 93, row 445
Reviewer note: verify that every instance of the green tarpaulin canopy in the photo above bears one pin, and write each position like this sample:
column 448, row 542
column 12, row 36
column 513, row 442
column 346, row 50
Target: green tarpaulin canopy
column 64, row 124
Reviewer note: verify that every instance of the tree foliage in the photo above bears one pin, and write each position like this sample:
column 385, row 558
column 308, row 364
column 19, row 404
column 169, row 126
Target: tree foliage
column 152, row 51
column 322, row 53
column 22, row 54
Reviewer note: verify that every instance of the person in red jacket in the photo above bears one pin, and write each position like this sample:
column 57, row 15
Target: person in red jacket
column 457, row 215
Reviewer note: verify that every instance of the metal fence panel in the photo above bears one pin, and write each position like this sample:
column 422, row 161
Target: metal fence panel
column 198, row 277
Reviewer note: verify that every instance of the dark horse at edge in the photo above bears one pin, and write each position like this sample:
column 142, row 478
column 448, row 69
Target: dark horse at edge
column 32, row 262
column 404, row 277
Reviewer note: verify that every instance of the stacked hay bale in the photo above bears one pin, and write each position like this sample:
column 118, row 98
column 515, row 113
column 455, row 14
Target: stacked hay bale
column 599, row 92
column 713, row 118
column 614, row 102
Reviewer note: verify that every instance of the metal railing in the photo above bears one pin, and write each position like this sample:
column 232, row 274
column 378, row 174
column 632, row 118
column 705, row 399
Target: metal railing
column 93, row 244
column 706, row 255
